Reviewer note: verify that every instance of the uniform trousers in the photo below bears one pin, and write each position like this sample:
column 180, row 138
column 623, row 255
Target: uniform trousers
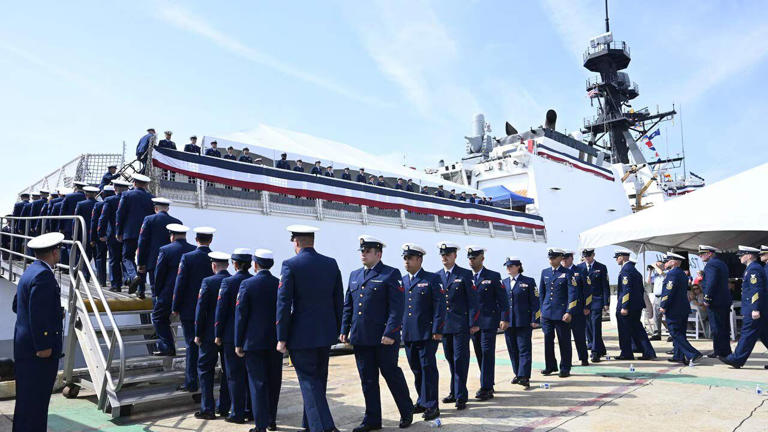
column 100, row 259
column 550, row 327
column 484, row 343
column 129, row 262
column 631, row 331
column 579, row 330
column 311, row 365
column 265, row 374
column 35, row 378
column 594, row 330
column 381, row 358
column 519, row 347
column 683, row 350
column 210, row 353
column 720, row 330
column 115, row 250
column 237, row 382
column 423, row 364
column 752, row 330
column 456, row 350
column 161, row 320
column 191, row 355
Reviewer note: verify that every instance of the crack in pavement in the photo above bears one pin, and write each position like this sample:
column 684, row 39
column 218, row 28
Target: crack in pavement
column 750, row 415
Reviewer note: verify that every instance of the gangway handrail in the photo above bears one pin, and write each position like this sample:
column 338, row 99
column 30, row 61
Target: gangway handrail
column 80, row 264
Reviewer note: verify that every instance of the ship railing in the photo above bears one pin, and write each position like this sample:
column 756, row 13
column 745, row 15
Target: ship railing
column 84, row 293
column 599, row 48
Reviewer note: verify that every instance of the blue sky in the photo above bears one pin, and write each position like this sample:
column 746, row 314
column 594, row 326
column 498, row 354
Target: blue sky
column 390, row 77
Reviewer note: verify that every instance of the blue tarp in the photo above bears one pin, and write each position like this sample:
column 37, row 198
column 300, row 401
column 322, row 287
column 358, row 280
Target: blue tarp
column 500, row 194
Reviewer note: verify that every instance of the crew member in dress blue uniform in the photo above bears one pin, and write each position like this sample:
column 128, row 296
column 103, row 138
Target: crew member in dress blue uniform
column 67, row 208
column 225, row 336
column 213, row 151
column 310, row 299
column 754, row 307
column 245, row 156
column 579, row 319
column 299, row 166
column 18, row 226
column 360, row 178
column 373, row 319
column 630, row 303
column 193, row 268
column 492, row 302
column 256, row 338
column 166, row 270
column 53, row 209
column 423, row 322
column 230, row 154
column 167, row 143
column 107, row 234
column 45, row 211
column 558, row 305
column 192, row 147
column 329, row 171
column 283, row 162
column 346, row 175
column 36, row 211
column 142, row 148
column 462, row 316
column 717, row 299
column 598, row 299
column 410, row 187
column 37, row 336
column 523, row 316
column 317, row 169
column 152, row 236
column 676, row 307
column 134, row 206
column 205, row 317
column 84, row 209
column 100, row 247
column 108, row 176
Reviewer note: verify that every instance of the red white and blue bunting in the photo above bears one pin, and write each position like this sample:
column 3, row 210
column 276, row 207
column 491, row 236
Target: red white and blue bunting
column 259, row 177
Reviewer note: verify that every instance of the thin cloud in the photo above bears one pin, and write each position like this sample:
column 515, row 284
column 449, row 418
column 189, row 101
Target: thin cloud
column 187, row 21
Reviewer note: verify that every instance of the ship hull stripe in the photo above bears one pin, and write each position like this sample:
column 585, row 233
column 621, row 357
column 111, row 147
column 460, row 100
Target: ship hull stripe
column 565, row 158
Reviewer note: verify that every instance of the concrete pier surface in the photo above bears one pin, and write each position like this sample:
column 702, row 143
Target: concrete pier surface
column 607, row 396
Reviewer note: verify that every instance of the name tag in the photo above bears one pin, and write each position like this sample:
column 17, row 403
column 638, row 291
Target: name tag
column 562, row 276
column 523, row 285
column 378, row 281
column 423, row 284
column 485, row 282
column 457, row 280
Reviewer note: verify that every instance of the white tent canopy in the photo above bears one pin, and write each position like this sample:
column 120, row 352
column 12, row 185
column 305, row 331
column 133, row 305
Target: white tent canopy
column 725, row 214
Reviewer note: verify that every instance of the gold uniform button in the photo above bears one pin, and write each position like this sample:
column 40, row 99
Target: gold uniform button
column 359, row 304
column 360, row 313
column 409, row 314
column 45, row 333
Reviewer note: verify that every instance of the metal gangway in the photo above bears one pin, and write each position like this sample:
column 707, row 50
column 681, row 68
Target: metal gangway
column 112, row 330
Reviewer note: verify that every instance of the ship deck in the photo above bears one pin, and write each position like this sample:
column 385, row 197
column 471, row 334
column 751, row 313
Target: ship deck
column 605, row 397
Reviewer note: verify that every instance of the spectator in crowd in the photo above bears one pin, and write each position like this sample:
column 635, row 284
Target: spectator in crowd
column 299, row 166
column 699, row 276
column 463, row 196
column 380, row 181
column 329, row 171
column 696, row 297
column 399, row 185
column 410, row 187
column 245, row 156
column 167, row 143
column 440, row 192
column 230, row 153
column 283, row 162
column 214, row 150
column 346, row 174
column 192, row 147
column 361, row 176
column 317, row 169
column 655, row 279
column 143, row 147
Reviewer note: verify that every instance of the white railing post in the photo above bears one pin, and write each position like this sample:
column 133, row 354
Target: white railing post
column 403, row 220
column 514, row 232
column 491, row 232
column 364, row 211
column 265, row 201
column 466, row 226
column 319, row 208
column 437, row 223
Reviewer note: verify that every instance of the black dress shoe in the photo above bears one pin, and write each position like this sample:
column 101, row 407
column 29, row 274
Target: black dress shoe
column 670, row 352
column 623, row 358
column 365, row 428
column 460, row 405
column 696, row 358
column 205, row 415
column 671, row 360
column 525, row 382
column 647, row 358
column 405, row 421
column 256, row 430
column 515, row 380
column 655, row 337
column 164, row 354
column 222, row 413
column 141, row 296
column 595, row 359
column 234, row 420
column 548, row 371
column 669, row 339
column 712, row 355
column 564, row 374
column 418, row 409
column 182, row 387
column 431, row 413
column 765, row 366
column 272, row 426
column 585, row 362
column 449, row 399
